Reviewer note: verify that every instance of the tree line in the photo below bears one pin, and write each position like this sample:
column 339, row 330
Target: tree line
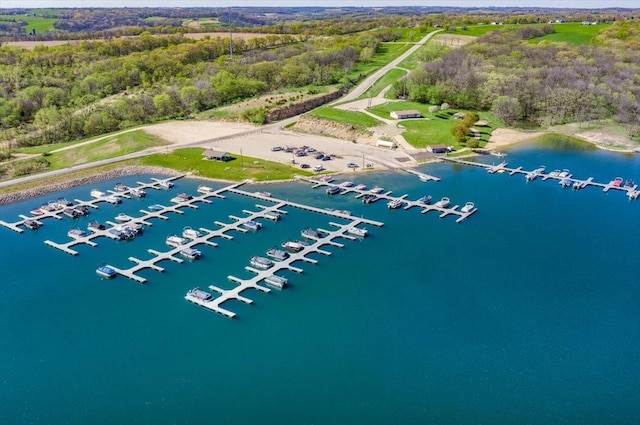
column 546, row 83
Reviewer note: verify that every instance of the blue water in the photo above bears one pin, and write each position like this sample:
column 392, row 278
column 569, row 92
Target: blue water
column 526, row 313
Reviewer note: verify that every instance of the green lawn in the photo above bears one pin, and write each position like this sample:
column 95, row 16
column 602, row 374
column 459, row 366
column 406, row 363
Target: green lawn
column 385, row 54
column 110, row 147
column 358, row 119
column 190, row 160
column 387, row 79
column 572, row 33
column 434, row 129
column 410, row 35
column 479, row 30
column 39, row 23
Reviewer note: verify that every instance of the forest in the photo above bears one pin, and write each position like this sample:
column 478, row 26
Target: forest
column 540, row 84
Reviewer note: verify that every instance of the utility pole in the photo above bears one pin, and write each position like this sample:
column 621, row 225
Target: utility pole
column 241, row 160
column 230, row 36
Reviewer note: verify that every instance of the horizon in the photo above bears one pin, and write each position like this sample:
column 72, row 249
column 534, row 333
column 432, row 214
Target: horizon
column 546, row 4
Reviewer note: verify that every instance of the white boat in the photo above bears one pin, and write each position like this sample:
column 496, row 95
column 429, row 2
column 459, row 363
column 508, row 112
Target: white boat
column 112, row 199
column 175, row 241
column 96, row 193
column 191, row 254
column 265, row 194
column 190, row 233
column 426, row 200
column 106, row 271
column 376, row 189
column 123, row 218
column 181, row 197
column 76, row 233
column 165, row 184
column 468, row 207
column 120, row 188
column 347, row 183
column 633, row 194
column 361, row 187
column 326, row 179
column 71, row 212
column 277, row 254
column 272, row 215
column 293, row 246
column 565, row 182
column 252, row 225
column 554, row 173
column 82, row 209
column 95, row 225
column 564, row 173
column 156, row 207
column 310, row 233
column 369, row 198
column 395, row 204
column 333, row 190
column 118, row 234
column 443, row 203
column 261, row 262
column 358, row 231
column 198, row 295
column 276, row 281
column 204, row 189
column 498, row 154
column 138, row 192
column 32, row 224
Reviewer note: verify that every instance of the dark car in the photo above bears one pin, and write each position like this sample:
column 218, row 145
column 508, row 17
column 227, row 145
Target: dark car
column 319, row 156
column 304, row 165
column 326, row 158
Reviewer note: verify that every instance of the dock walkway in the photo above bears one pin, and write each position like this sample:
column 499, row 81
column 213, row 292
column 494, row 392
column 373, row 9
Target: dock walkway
column 631, row 190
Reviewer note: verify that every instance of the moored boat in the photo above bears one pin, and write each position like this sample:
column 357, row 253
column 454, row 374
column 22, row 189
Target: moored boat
column 123, row 218
column 395, row 204
column 252, row 225
column 629, row 183
column 565, row 182
column 32, row 224
column 156, row 207
column 326, row 179
column 82, row 209
column 443, row 203
column 138, row 192
column 265, row 194
column 272, row 215
column 117, row 234
column 261, row 262
column 347, row 183
column 106, row 271
column 293, row 246
column 633, row 194
column 64, row 202
column 165, row 184
column 310, row 233
column 277, row 254
column 76, row 232
column 358, row 231
column 95, row 225
column 71, row 212
column 369, row 198
column 202, row 189
column 119, row 187
column 135, row 227
column 97, row 193
column 276, row 281
column 199, row 295
column 333, row 190
column 468, row 207
column 189, row 233
column 564, row 173
column 361, row 187
column 191, row 253
column 112, row 199
column 617, row 182
column 426, row 200
column 175, row 241
column 376, row 190
column 37, row 211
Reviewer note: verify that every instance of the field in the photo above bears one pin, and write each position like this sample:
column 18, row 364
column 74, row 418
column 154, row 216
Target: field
column 38, row 23
column 387, row 79
column 358, row 119
column 385, row 54
column 240, row 168
column 573, row 33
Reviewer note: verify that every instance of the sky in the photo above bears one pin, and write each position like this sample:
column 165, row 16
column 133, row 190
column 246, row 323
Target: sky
column 589, row 4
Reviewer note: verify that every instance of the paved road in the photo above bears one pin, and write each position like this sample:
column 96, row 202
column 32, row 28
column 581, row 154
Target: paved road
column 364, row 86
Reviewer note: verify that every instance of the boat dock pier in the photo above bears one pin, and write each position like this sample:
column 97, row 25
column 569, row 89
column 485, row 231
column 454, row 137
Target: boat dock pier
column 326, row 238
column 57, row 214
column 423, row 177
column 631, row 190
column 407, row 204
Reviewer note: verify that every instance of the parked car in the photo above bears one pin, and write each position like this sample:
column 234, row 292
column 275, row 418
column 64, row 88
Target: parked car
column 352, row 165
column 301, row 153
column 304, row 165
column 326, row 158
column 310, row 149
column 319, row 156
column 318, row 168
column 276, row 148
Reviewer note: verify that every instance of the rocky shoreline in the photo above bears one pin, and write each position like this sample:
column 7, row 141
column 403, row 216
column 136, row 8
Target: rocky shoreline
column 51, row 188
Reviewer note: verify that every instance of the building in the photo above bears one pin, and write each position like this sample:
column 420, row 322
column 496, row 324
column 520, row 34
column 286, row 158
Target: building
column 213, row 155
column 402, row 115
column 437, row 148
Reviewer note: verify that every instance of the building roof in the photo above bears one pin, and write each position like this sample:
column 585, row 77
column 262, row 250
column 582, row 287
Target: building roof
column 210, row 153
column 408, row 112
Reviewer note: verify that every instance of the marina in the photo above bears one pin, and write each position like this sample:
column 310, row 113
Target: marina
column 395, row 202
column 563, row 177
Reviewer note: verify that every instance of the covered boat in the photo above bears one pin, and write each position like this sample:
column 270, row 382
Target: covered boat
column 106, row 271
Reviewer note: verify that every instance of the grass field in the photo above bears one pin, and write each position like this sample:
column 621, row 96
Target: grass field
column 190, row 160
column 385, row 54
column 572, row 33
column 34, row 22
column 387, row 79
column 435, row 128
column 410, row 35
column 110, row 147
column 479, row 30
column 358, row 119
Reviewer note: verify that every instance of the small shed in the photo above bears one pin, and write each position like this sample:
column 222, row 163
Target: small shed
column 437, row 148
column 402, row 115
column 214, row 155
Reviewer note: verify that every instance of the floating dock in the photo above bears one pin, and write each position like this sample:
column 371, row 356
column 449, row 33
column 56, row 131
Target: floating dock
column 407, row 204
column 422, row 176
column 326, row 238
column 630, row 190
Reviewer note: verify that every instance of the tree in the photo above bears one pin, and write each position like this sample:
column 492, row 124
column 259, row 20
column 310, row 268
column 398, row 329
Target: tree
column 366, row 54
column 506, row 109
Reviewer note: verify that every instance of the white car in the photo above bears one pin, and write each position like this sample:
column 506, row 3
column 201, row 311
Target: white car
column 318, row 168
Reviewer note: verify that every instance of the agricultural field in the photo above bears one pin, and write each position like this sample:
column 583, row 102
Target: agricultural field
column 40, row 24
